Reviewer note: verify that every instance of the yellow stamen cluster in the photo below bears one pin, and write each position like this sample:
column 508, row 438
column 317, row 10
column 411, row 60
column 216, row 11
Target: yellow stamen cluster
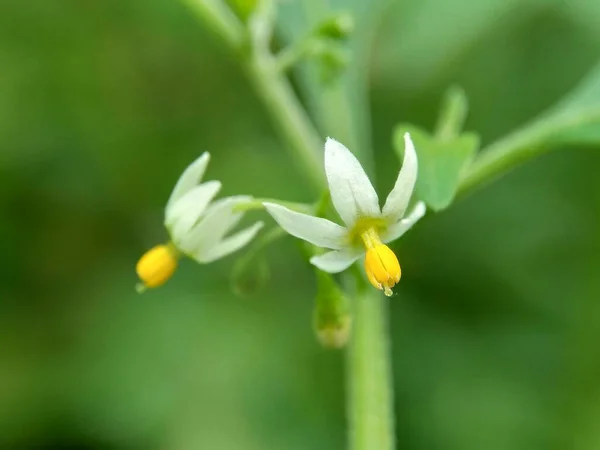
column 156, row 266
column 381, row 264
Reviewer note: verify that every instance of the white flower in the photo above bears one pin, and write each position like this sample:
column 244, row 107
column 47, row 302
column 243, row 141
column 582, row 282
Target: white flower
column 367, row 226
column 197, row 226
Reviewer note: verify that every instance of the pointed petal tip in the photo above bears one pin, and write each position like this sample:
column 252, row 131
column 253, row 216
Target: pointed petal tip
column 352, row 193
column 398, row 199
column 334, row 261
column 200, row 162
column 408, row 141
column 316, row 230
column 331, row 145
column 191, row 176
column 420, row 208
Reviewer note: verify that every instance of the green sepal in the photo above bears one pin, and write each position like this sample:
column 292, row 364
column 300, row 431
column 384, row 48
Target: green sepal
column 441, row 162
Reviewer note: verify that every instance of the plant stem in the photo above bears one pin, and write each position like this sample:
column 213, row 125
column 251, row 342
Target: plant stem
column 369, row 384
column 452, row 114
column 521, row 146
column 221, row 20
column 370, row 393
column 288, row 116
column 273, row 88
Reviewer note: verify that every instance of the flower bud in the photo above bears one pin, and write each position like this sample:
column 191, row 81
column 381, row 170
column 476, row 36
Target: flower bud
column 339, row 26
column 331, row 320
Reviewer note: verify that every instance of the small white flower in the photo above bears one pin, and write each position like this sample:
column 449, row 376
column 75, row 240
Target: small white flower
column 367, row 226
column 197, row 226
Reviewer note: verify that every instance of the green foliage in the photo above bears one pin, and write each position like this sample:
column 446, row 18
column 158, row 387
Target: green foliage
column 339, row 26
column 443, row 157
column 496, row 325
column 441, row 163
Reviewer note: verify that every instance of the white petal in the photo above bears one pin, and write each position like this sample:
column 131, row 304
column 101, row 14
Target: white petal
column 397, row 201
column 218, row 219
column 335, row 261
column 190, row 177
column 228, row 245
column 352, row 193
column 185, row 212
column 399, row 228
column 317, row 231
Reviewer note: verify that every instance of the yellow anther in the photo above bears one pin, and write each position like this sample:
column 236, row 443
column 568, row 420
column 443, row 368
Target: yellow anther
column 381, row 264
column 156, row 266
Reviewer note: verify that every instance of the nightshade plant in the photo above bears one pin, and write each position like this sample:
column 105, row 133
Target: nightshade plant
column 438, row 167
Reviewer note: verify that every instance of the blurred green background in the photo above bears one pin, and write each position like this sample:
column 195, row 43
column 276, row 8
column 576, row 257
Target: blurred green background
column 103, row 103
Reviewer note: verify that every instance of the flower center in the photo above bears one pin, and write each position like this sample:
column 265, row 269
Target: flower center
column 381, row 265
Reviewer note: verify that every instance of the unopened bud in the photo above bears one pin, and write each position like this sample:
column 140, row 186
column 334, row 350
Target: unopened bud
column 333, row 60
column 332, row 321
column 339, row 26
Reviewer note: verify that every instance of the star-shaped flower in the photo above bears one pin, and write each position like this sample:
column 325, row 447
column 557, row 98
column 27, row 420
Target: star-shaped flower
column 368, row 227
column 197, row 226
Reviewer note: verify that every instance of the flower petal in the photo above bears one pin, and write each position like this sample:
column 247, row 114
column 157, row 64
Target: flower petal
column 399, row 228
column 317, row 231
column 186, row 211
column 218, row 219
column 352, row 193
column 397, row 201
column 335, row 261
column 190, row 177
column 228, row 245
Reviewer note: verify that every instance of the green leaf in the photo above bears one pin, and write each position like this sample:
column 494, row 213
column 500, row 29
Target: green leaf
column 441, row 163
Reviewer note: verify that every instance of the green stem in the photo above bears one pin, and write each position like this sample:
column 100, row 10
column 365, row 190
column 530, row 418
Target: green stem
column 520, row 147
column 291, row 55
column 370, row 395
column 273, row 88
column 370, row 392
column 452, row 114
column 288, row 116
column 221, row 20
